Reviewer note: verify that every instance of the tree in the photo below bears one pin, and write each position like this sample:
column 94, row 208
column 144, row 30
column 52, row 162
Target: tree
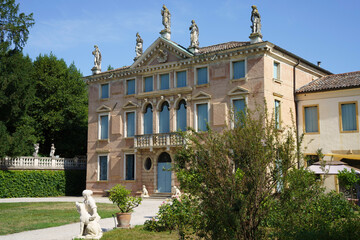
column 14, row 26
column 234, row 174
column 60, row 106
column 17, row 93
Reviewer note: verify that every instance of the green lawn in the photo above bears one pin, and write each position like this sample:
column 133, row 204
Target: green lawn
column 138, row 233
column 19, row 217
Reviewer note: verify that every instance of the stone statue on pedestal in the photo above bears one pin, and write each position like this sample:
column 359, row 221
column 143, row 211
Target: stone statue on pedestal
column 177, row 192
column 89, row 218
column 145, row 193
column 255, row 35
column 166, row 21
column 36, row 149
column 138, row 47
column 97, row 60
column 194, row 35
column 52, row 150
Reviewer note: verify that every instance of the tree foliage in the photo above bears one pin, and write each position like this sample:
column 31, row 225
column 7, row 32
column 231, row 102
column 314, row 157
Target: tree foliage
column 234, row 174
column 14, row 26
column 60, row 106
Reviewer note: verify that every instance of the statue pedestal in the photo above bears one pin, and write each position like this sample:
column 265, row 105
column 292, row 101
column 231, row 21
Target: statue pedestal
column 96, row 70
column 255, row 38
column 193, row 49
column 165, row 34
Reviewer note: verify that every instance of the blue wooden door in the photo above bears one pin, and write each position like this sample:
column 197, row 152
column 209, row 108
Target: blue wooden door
column 164, row 177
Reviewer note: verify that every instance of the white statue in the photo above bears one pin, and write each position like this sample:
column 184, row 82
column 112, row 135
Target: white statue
column 177, row 192
column 97, row 57
column 89, row 218
column 145, row 193
column 194, row 35
column 138, row 47
column 256, row 20
column 36, row 149
column 166, row 18
column 52, row 150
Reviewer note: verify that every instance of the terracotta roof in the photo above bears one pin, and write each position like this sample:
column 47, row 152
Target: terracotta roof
column 221, row 46
column 332, row 82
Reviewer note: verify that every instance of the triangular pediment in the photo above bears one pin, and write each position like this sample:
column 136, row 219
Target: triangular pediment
column 130, row 105
column 103, row 108
column 238, row 91
column 160, row 52
column 201, row 96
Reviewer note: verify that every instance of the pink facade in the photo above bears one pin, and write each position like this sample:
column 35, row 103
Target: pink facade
column 218, row 78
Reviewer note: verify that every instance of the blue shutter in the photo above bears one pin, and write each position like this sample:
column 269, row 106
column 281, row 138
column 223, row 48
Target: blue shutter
column 130, row 124
column 348, row 117
column 239, row 108
column 130, row 167
column 276, row 70
column 202, row 116
column 103, row 168
column 181, row 117
column 277, row 114
column 104, row 126
column 311, row 119
column 164, row 82
column 148, row 84
column 239, row 69
column 164, row 120
column 181, row 79
column 105, row 91
column 202, row 76
column 130, row 87
column 148, row 120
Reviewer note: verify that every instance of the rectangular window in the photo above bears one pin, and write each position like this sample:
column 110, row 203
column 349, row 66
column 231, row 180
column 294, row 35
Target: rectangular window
column 130, row 87
column 277, row 114
column 202, row 116
column 104, row 91
column 181, row 79
column 164, row 81
column 202, row 75
column 276, row 70
column 149, row 84
column 130, row 124
column 104, row 127
column 238, row 69
column 103, row 168
column 311, row 117
column 130, row 167
column 348, row 114
column 239, row 108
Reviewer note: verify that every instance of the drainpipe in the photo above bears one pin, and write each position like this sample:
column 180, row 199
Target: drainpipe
column 296, row 115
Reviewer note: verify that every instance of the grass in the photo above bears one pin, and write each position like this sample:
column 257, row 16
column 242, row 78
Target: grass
column 19, row 217
column 138, row 233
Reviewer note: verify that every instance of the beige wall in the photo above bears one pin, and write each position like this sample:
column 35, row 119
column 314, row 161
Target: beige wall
column 330, row 138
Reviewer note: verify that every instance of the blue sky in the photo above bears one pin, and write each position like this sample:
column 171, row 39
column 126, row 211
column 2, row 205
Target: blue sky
column 317, row 30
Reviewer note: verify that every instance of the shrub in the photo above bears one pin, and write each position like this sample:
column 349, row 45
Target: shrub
column 41, row 183
column 120, row 196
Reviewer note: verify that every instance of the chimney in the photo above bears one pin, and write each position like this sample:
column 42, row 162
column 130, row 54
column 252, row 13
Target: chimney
column 319, row 63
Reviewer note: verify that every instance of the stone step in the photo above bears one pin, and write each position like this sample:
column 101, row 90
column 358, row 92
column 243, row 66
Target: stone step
column 160, row 195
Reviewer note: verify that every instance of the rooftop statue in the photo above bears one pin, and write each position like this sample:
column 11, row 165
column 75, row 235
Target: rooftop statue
column 194, row 35
column 256, row 20
column 97, row 57
column 166, row 18
column 138, row 47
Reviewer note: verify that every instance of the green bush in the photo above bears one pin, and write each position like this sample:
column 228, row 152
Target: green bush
column 120, row 196
column 41, row 183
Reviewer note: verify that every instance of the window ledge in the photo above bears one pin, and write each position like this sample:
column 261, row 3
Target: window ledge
column 104, row 140
column 104, row 99
column 277, row 80
column 311, row 133
column 128, row 138
column 130, row 95
column 129, row 181
column 238, row 79
column 202, row 85
column 102, row 181
column 353, row 131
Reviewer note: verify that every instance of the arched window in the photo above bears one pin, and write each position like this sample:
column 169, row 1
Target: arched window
column 164, row 118
column 181, row 116
column 148, row 120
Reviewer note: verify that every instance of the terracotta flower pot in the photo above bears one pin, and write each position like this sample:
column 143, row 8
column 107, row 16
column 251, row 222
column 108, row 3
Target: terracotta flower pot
column 123, row 220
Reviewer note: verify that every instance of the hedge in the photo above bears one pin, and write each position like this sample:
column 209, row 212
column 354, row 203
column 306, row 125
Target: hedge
column 41, row 183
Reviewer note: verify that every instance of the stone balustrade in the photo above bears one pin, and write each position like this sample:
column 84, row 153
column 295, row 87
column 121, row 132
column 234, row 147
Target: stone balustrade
column 50, row 163
column 158, row 140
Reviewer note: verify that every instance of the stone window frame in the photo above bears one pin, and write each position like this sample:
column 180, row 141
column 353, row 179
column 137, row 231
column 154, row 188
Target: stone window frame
column 232, row 68
column 100, row 91
column 175, row 78
column 125, row 154
column 318, row 118
column 356, row 115
column 159, row 81
column 196, row 75
column 195, row 114
column 125, row 123
column 107, row 167
column 100, row 127
column 153, row 83
column 240, row 97
column 126, row 86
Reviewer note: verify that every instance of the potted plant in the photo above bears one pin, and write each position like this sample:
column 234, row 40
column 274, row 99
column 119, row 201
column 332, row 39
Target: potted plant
column 120, row 196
